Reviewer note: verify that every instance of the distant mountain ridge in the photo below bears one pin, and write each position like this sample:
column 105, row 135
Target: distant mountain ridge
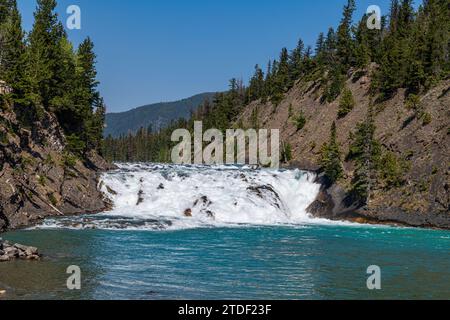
column 156, row 115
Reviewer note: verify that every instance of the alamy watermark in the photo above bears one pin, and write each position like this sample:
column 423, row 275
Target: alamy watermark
column 73, row 22
column 239, row 146
column 74, row 280
column 374, row 280
column 373, row 17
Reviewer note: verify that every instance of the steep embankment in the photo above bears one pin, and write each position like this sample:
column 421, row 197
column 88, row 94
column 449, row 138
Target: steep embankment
column 37, row 178
column 421, row 145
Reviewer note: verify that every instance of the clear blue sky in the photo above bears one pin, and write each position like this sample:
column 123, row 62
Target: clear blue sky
column 163, row 50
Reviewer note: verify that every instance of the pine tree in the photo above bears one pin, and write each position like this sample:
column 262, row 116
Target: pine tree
column 87, row 73
column 345, row 44
column 363, row 49
column 331, row 158
column 365, row 151
column 286, row 152
column 437, row 39
column 95, row 126
column 296, row 62
column 335, row 83
column 330, row 48
column 346, row 103
column 397, row 62
column 4, row 10
column 308, row 61
column 320, row 49
column 44, row 55
column 12, row 49
column 256, row 85
column 300, row 121
column 281, row 82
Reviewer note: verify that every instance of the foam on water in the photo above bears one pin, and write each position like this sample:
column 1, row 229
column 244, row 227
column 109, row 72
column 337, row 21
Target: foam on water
column 156, row 197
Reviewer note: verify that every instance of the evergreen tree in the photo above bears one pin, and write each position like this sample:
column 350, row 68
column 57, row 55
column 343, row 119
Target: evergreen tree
column 281, row 80
column 335, row 83
column 300, row 121
column 365, row 150
column 320, row 49
column 296, row 62
column 397, row 62
column 45, row 55
column 286, row 153
column 256, row 85
column 95, row 126
column 345, row 45
column 331, row 158
column 346, row 103
column 330, row 48
column 87, row 73
column 437, row 39
column 363, row 48
column 308, row 61
column 4, row 10
column 12, row 48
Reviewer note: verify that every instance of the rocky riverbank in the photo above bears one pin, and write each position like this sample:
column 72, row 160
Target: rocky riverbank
column 40, row 178
column 9, row 252
column 333, row 203
column 419, row 149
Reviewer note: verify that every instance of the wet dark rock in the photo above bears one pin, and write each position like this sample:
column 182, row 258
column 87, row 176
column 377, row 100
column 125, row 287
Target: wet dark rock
column 268, row 193
column 210, row 214
column 188, row 213
column 204, row 203
column 140, row 197
column 111, row 191
column 161, row 187
column 243, row 177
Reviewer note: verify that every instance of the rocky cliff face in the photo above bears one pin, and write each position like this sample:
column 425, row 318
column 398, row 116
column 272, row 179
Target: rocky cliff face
column 38, row 179
column 422, row 145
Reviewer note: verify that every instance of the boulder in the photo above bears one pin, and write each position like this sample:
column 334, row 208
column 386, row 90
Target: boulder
column 11, row 252
column 18, row 251
column 31, row 251
column 20, row 247
column 188, row 213
column 33, row 257
column 140, row 197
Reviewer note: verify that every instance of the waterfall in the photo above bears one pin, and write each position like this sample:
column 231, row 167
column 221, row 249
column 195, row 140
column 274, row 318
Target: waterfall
column 160, row 197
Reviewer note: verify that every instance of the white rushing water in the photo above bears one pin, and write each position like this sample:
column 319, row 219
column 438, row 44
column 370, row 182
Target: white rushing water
column 152, row 196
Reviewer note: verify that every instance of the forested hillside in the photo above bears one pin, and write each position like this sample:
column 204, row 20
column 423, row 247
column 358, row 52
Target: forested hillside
column 153, row 116
column 51, row 119
column 367, row 108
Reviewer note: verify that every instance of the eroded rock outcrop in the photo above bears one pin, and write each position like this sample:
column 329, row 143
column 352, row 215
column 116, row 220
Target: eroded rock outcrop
column 421, row 145
column 39, row 179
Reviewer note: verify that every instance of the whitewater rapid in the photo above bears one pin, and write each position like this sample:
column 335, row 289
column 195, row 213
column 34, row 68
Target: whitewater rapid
column 171, row 197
